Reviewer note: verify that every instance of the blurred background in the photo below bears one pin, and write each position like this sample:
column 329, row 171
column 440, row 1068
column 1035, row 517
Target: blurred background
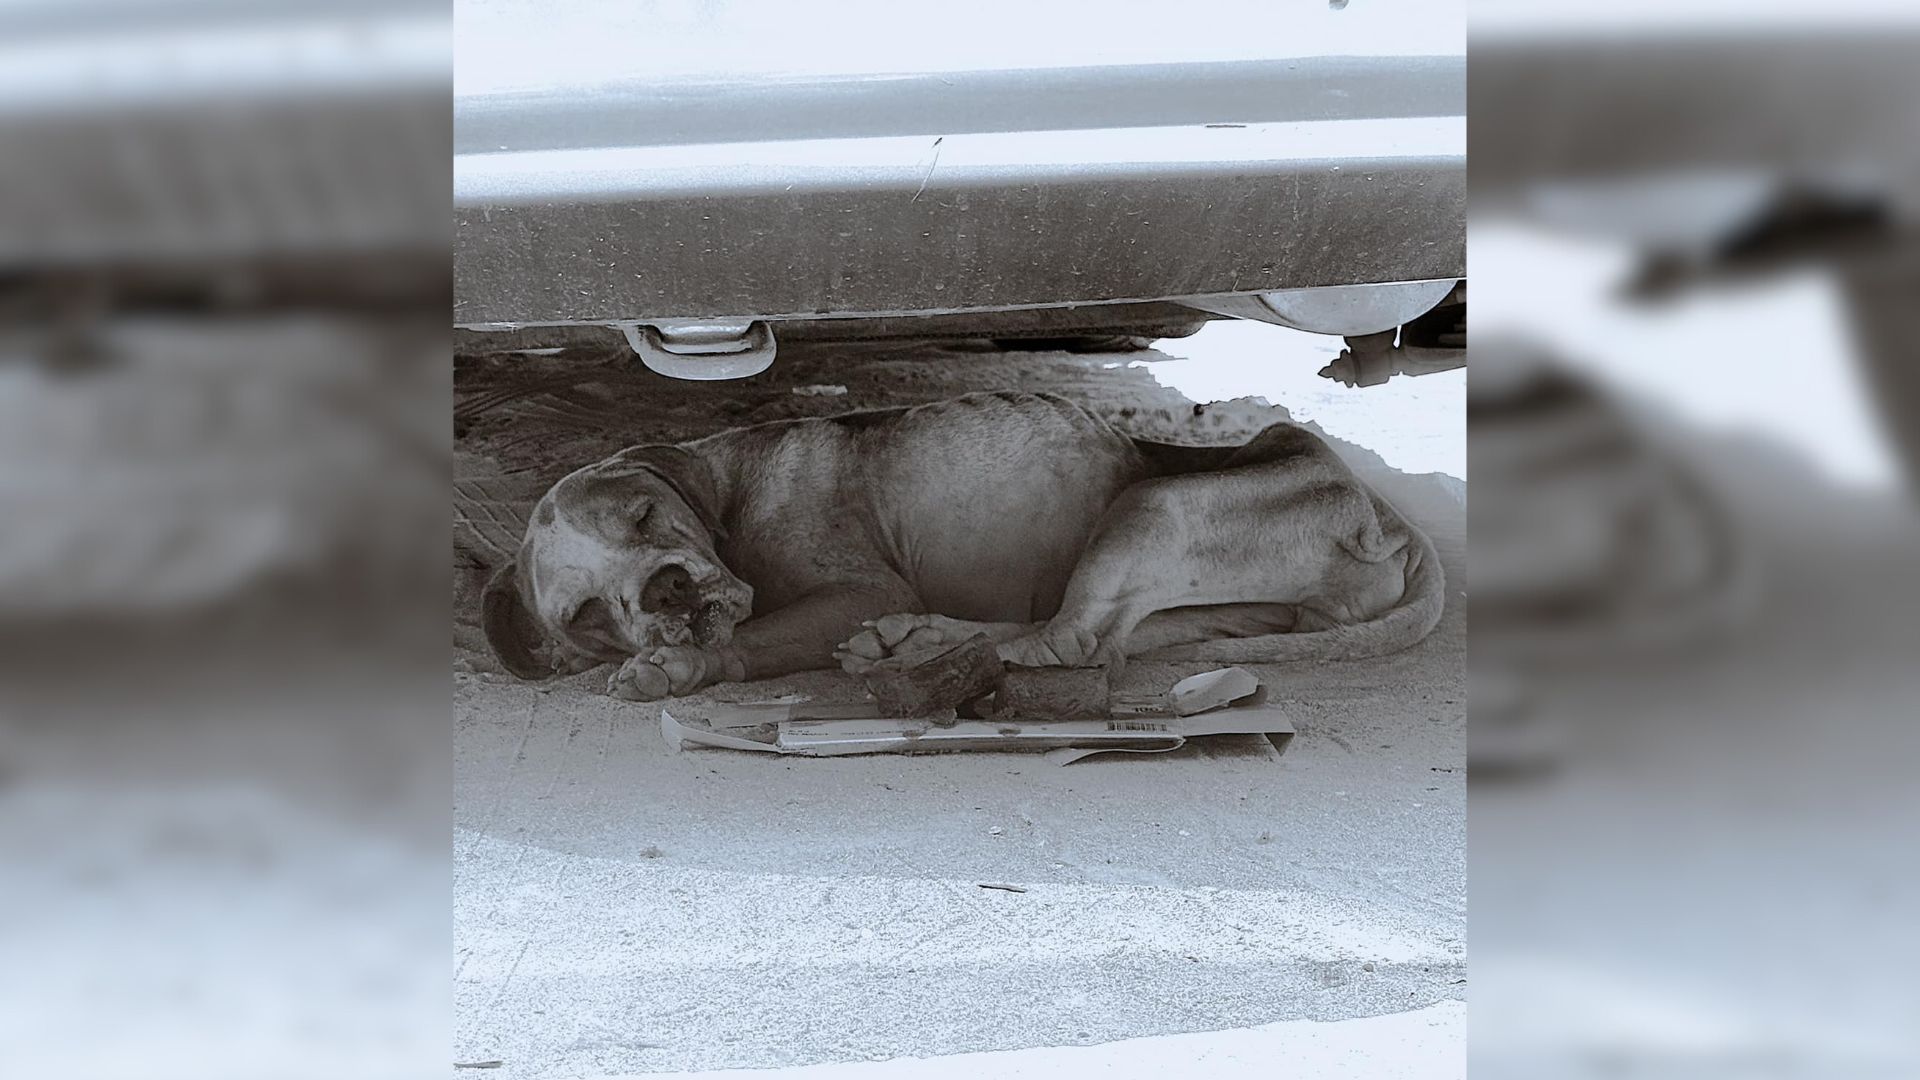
column 1694, row 425
column 224, row 449
column 224, row 392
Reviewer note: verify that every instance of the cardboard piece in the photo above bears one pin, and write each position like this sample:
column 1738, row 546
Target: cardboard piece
column 821, row 730
column 1210, row 690
column 736, row 717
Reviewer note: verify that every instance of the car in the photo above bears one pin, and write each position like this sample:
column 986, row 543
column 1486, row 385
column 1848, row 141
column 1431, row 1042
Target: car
column 703, row 186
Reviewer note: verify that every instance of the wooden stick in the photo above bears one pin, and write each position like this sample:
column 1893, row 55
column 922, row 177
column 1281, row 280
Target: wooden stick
column 1053, row 693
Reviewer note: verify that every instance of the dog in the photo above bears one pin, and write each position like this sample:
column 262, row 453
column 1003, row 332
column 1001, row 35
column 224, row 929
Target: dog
column 803, row 544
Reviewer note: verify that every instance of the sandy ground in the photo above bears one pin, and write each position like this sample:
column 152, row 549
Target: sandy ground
column 1423, row 1043
column 622, row 909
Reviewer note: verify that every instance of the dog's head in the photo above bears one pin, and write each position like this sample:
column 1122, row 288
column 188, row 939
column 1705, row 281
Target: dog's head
column 619, row 558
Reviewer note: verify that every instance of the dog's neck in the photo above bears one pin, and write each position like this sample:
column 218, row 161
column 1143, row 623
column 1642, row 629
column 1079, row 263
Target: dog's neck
column 742, row 462
column 721, row 488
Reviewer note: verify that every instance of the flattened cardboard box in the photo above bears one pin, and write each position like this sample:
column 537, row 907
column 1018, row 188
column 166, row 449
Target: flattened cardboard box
column 819, row 730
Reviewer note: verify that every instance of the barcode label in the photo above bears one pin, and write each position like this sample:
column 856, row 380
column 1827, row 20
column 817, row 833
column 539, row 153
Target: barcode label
column 1134, row 725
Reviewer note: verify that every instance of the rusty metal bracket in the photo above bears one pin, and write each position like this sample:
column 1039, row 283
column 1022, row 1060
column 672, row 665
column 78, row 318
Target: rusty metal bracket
column 1372, row 359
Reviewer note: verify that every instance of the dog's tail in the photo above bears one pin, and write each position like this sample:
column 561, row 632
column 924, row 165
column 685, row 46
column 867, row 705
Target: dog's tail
column 1399, row 627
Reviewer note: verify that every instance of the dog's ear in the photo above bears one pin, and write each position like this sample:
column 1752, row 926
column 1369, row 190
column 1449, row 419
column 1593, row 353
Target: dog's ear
column 689, row 476
column 511, row 629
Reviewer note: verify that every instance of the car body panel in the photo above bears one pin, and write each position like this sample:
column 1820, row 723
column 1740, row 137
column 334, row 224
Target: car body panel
column 884, row 226
column 771, row 168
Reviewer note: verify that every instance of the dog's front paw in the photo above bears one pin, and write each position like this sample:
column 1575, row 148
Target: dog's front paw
column 673, row 671
column 639, row 679
column 569, row 662
column 893, row 635
column 1062, row 646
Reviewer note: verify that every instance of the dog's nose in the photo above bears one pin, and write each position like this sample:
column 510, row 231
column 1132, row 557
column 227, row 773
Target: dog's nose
column 669, row 589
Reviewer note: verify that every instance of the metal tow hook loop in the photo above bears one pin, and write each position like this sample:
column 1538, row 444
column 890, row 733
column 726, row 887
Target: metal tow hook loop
column 703, row 350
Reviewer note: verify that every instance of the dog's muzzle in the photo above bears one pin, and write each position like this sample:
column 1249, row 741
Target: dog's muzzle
column 670, row 591
column 672, row 594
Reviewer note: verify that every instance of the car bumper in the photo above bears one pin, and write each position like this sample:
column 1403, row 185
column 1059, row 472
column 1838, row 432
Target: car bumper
column 760, row 196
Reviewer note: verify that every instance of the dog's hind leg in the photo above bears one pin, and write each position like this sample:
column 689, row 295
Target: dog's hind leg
column 1272, row 538
column 1281, row 540
column 1153, row 550
column 1192, row 625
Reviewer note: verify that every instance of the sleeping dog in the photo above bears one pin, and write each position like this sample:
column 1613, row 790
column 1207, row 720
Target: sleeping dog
column 804, row 544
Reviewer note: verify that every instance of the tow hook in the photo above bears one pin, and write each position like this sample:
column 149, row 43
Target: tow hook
column 703, row 350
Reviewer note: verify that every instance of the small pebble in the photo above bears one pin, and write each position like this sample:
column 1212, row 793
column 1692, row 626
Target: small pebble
column 996, row 831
